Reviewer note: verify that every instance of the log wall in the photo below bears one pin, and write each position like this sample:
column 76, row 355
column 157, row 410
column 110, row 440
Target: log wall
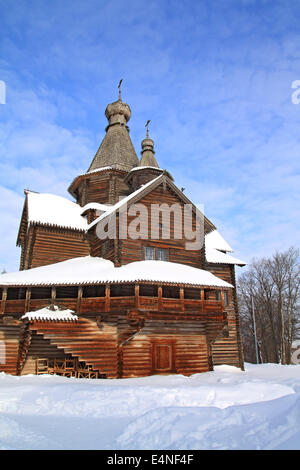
column 9, row 347
column 187, row 339
column 104, row 187
column 228, row 350
column 55, row 245
column 123, row 251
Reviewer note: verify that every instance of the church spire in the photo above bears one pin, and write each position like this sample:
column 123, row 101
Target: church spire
column 148, row 158
column 119, row 86
column 118, row 112
column 147, row 125
column 116, row 149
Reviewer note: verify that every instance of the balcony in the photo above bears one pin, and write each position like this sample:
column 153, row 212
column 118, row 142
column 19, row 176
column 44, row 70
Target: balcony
column 117, row 298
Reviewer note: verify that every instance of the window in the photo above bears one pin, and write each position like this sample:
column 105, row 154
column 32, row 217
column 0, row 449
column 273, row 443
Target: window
column 148, row 291
column 41, row 293
column 161, row 254
column 149, row 252
column 93, row 291
column 152, row 253
column 218, row 297
column 67, row 292
column 14, row 293
column 191, row 293
column 212, row 294
column 122, row 290
column 171, row 292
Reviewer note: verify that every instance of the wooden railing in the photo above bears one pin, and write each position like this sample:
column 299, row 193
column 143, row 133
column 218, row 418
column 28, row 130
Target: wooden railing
column 83, row 305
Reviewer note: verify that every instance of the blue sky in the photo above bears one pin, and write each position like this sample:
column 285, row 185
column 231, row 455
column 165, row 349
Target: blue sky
column 213, row 76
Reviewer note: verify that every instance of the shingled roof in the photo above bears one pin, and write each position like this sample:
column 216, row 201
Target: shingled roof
column 116, row 149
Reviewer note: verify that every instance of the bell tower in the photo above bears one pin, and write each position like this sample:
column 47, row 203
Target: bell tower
column 104, row 180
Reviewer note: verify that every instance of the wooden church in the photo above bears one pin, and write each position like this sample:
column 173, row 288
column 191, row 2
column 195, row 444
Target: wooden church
column 101, row 293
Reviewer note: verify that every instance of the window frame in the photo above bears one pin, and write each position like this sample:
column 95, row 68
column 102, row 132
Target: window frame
column 156, row 249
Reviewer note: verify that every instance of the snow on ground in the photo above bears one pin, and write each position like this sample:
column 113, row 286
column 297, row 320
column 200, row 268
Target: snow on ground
column 223, row 409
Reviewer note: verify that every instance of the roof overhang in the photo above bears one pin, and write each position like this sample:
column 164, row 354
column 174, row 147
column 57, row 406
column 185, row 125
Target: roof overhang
column 90, row 270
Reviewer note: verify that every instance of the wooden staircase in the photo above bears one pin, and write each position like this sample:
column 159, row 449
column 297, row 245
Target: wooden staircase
column 82, row 340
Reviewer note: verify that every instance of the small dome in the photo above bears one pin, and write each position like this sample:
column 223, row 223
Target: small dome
column 118, row 112
column 147, row 144
column 148, row 158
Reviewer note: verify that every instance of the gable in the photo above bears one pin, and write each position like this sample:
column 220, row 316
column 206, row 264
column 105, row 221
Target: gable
column 145, row 190
column 165, row 212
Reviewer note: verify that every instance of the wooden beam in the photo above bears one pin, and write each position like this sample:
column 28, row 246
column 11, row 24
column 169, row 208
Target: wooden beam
column 222, row 299
column 202, row 296
column 79, row 298
column 107, row 298
column 4, row 297
column 137, row 295
column 181, row 296
column 27, row 300
column 53, row 294
column 159, row 298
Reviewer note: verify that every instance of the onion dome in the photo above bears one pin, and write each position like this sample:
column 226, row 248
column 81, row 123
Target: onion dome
column 116, row 149
column 148, row 158
column 118, row 113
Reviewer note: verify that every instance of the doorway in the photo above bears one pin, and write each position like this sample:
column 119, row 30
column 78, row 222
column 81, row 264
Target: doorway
column 163, row 356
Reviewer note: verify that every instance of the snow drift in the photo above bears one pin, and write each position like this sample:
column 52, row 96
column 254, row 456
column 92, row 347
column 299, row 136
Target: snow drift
column 223, row 409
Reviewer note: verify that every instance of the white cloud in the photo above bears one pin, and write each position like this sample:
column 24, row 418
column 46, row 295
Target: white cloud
column 214, row 78
column 11, row 205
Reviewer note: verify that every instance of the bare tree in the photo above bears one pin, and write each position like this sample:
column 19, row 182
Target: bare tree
column 273, row 285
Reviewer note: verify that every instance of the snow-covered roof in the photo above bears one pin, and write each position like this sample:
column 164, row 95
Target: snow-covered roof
column 215, row 240
column 94, row 270
column 103, row 168
column 137, row 168
column 215, row 245
column 216, row 256
column 49, row 209
column 52, row 312
column 95, row 205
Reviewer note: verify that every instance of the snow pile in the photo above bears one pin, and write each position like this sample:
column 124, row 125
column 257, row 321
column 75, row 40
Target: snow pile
column 94, row 270
column 256, row 426
column 224, row 409
column 53, row 313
